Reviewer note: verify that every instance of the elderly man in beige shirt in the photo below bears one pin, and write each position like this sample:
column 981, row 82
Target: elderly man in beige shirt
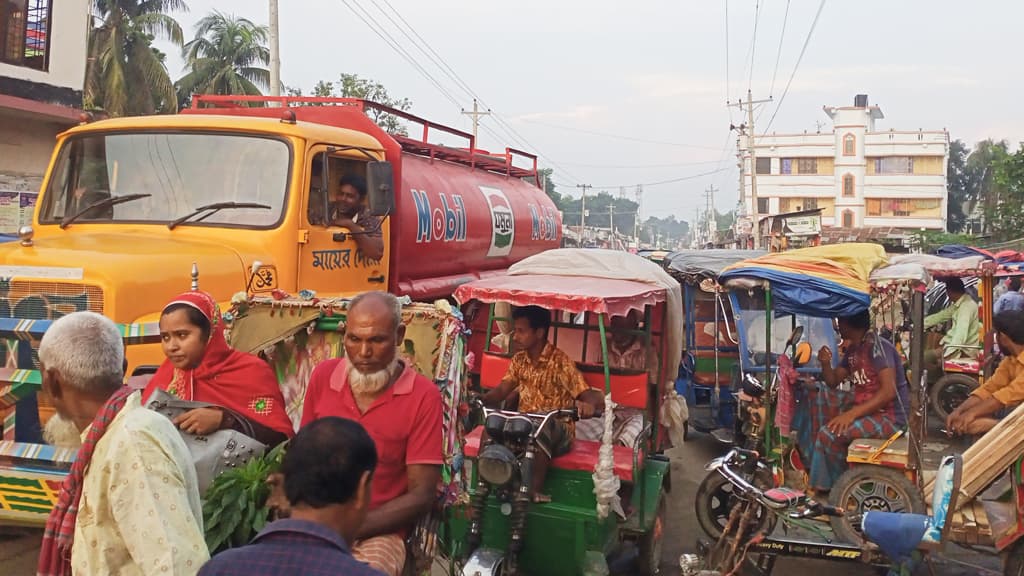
column 130, row 505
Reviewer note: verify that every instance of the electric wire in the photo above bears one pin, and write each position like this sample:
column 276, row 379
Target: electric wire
column 800, row 58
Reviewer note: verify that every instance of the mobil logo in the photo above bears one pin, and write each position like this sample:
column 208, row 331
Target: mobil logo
column 445, row 222
column 545, row 223
column 503, row 222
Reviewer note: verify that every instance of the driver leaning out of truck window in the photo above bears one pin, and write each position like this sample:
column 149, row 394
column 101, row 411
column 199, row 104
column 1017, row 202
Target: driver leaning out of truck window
column 979, row 413
column 546, row 380
column 349, row 210
column 875, row 407
column 626, row 350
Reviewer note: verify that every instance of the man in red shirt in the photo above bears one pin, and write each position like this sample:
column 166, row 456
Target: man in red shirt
column 399, row 408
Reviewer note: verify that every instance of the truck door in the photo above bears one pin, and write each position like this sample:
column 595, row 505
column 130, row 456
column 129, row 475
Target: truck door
column 330, row 261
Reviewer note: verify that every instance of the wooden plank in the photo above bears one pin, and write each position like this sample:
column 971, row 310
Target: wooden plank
column 970, row 524
column 981, row 517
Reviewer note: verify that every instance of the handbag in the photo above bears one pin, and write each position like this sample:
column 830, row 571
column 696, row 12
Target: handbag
column 214, row 453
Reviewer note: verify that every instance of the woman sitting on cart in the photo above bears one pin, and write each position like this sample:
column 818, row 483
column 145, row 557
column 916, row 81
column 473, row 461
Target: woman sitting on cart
column 201, row 367
column 875, row 407
column 979, row 413
column 547, row 379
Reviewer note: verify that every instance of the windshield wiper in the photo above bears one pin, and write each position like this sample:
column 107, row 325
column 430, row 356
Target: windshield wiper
column 112, row 201
column 211, row 209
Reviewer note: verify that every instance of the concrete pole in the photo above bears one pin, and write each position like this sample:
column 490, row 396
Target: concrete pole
column 275, row 52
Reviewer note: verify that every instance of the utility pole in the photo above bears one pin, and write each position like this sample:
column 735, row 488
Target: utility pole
column 476, row 114
column 275, row 52
column 712, row 224
column 748, row 130
column 636, row 215
column 583, row 209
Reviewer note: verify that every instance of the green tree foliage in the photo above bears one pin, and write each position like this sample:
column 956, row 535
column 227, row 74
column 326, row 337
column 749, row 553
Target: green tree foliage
column 353, row 86
column 958, row 185
column 124, row 74
column 602, row 209
column 225, row 58
column 1004, row 201
column 664, row 231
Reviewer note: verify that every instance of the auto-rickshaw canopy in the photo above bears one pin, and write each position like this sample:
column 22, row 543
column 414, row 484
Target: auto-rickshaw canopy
column 608, row 296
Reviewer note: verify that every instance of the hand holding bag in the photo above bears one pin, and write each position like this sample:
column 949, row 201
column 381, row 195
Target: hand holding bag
column 214, row 453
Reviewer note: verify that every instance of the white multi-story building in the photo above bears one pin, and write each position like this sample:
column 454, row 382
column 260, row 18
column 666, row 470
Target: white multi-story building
column 859, row 176
column 42, row 72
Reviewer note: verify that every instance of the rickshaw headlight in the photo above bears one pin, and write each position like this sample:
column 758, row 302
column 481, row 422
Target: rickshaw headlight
column 496, row 464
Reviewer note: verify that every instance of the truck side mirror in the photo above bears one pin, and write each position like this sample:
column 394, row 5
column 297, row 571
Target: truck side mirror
column 380, row 188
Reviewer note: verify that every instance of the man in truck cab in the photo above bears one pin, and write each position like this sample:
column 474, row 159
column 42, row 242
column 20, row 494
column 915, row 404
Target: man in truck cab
column 980, row 412
column 547, row 379
column 347, row 209
column 400, row 409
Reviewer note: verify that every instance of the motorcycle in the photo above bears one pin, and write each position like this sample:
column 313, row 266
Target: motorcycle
column 505, row 465
column 746, row 539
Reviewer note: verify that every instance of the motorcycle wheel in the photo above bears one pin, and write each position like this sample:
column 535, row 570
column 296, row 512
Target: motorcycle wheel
column 715, row 499
column 864, row 488
column 949, row 392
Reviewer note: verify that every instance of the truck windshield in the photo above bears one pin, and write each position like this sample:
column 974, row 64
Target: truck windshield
column 179, row 172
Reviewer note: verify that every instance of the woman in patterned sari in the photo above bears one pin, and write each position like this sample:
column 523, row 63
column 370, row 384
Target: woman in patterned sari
column 201, row 367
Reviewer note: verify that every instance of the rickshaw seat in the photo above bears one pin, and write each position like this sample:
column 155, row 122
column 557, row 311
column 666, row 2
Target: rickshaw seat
column 726, row 359
column 492, row 369
column 629, row 387
column 582, row 456
column 966, row 365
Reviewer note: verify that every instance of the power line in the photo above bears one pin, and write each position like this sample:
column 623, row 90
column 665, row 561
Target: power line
column 612, row 187
column 639, row 166
column 753, row 42
column 778, row 55
column 616, row 136
column 440, row 62
column 728, row 89
column 807, row 41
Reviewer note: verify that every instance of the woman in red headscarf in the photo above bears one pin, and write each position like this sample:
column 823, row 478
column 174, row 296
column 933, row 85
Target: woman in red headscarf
column 201, row 367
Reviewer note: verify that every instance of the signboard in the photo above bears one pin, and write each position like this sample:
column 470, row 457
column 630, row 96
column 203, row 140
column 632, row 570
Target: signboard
column 16, row 209
column 805, row 225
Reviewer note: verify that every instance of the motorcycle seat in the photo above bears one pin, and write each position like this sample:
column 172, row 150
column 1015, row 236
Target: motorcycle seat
column 785, row 497
column 899, row 534
column 582, row 456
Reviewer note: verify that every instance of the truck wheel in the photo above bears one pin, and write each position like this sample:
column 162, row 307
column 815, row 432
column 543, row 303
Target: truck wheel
column 864, row 488
column 650, row 543
column 715, row 499
column 1013, row 559
column 949, row 392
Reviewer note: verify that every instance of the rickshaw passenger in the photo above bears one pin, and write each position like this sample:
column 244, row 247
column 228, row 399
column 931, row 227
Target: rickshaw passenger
column 874, row 408
column 547, row 379
column 1012, row 299
column 963, row 339
column 978, row 414
column 625, row 350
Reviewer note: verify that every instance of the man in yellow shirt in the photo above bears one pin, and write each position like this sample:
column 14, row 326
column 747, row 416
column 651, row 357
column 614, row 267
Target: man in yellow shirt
column 1005, row 388
column 130, row 505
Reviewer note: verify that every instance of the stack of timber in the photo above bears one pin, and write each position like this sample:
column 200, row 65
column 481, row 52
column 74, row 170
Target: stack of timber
column 990, row 456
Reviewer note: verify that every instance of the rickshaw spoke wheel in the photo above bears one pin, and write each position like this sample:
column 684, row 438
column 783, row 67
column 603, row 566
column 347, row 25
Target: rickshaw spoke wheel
column 949, row 392
column 715, row 499
column 866, row 488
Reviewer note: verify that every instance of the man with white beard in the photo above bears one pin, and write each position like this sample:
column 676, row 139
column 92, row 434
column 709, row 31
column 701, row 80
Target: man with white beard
column 399, row 408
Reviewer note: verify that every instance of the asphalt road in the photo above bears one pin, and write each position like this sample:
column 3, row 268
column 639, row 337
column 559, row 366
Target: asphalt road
column 19, row 549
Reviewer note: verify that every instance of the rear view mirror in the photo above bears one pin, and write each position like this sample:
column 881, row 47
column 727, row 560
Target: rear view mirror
column 795, row 337
column 380, row 188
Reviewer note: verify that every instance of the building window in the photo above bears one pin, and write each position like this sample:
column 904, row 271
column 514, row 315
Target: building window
column 762, row 205
column 787, row 166
column 849, row 145
column 25, row 33
column 894, row 165
column 847, row 218
column 810, row 203
column 807, row 165
column 901, row 207
column 848, row 186
column 874, row 207
column 764, row 165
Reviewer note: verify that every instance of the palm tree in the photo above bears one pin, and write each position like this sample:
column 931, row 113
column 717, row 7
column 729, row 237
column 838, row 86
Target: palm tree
column 224, row 56
column 125, row 75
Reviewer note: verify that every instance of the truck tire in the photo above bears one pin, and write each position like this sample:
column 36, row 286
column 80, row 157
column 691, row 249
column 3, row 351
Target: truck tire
column 949, row 392
column 715, row 499
column 866, row 487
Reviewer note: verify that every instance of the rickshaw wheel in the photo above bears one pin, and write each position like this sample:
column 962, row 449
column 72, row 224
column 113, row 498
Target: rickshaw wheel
column 715, row 498
column 1013, row 559
column 864, row 488
column 650, row 543
column 949, row 392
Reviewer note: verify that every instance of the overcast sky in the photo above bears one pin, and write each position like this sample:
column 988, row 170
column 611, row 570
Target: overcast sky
column 624, row 93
